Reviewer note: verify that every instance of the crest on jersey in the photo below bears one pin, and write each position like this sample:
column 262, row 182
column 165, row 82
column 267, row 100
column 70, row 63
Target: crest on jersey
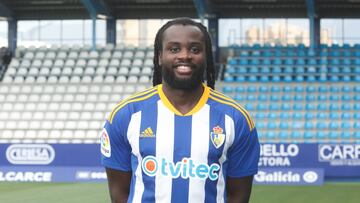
column 217, row 137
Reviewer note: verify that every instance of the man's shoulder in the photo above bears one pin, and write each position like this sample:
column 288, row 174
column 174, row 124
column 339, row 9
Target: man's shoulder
column 133, row 103
column 230, row 107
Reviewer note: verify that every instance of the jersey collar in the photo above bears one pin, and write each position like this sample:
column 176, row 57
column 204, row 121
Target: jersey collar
column 197, row 107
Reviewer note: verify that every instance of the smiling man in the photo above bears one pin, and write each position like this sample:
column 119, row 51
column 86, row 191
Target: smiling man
column 180, row 141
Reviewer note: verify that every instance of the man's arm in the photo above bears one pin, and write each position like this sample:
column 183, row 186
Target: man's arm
column 119, row 185
column 239, row 189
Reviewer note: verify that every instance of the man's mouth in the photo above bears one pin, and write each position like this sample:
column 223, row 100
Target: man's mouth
column 183, row 69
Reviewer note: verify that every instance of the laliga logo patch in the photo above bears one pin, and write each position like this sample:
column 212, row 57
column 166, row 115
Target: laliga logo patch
column 105, row 143
column 217, row 137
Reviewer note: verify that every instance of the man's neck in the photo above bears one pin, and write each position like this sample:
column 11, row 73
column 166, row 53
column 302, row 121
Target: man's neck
column 183, row 100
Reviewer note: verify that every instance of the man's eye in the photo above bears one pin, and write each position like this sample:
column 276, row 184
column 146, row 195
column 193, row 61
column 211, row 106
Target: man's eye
column 174, row 49
column 194, row 50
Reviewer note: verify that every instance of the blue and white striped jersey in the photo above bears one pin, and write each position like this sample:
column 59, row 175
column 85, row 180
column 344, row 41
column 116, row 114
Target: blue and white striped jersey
column 175, row 157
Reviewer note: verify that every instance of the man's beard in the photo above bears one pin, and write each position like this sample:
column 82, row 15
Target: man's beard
column 183, row 83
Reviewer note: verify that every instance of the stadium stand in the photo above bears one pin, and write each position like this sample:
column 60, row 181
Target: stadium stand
column 62, row 95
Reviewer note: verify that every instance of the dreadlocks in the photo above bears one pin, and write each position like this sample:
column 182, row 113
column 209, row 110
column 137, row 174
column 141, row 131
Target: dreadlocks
column 210, row 68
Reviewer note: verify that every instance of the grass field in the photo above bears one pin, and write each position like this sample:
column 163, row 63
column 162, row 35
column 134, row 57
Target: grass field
column 97, row 193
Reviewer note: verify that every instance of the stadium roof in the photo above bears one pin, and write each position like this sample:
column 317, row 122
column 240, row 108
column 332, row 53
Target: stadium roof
column 147, row 9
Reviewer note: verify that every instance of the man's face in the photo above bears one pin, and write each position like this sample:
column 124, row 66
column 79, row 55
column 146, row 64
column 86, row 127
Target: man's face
column 183, row 57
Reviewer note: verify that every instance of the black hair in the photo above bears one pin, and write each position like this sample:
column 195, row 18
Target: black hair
column 210, row 67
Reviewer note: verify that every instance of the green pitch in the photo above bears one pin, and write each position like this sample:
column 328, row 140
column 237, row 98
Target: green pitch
column 97, row 193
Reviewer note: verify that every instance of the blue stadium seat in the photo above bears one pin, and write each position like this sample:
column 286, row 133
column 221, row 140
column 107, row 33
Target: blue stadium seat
column 274, row 97
column 271, row 135
column 297, row 115
column 239, row 97
column 346, row 88
column 321, row 135
column 346, row 107
column 310, row 98
column 265, row 69
column 286, row 97
column 243, row 62
column 309, row 115
column 285, row 106
column 334, row 115
column 323, row 89
column 266, row 62
column 254, row 69
column 251, row 89
column 298, row 97
column 311, row 52
column 240, row 78
column 299, row 78
column 260, row 115
column 357, row 97
column 345, row 115
column 321, row 125
column 232, row 61
column 335, row 89
column 300, row 62
column 262, row 97
column 284, row 125
column 288, row 78
column 334, row 78
column 271, row 125
column 228, row 89
column 310, row 107
column 357, row 125
column 298, row 107
column 308, row 135
column 273, row 115
column 311, row 78
column 277, row 61
column 251, row 97
column 334, row 135
column 334, row 97
column 311, row 89
column 334, row 107
column 288, row 69
column 346, row 97
column 297, row 125
column 240, row 89
column 309, row 125
column 284, row 115
column 345, row 135
column 357, row 135
column 312, row 62
column 229, row 79
column 334, row 125
column 250, row 106
column 356, row 116
column 260, row 125
column 264, row 78
column 345, row 125
column 283, row 135
column 230, row 69
column 299, row 89
column 276, row 69
column 322, row 107
column 274, row 106
column 261, row 106
column 322, row 97
column 241, row 69
column 263, row 89
column 252, row 78
column 322, row 115
column 296, row 135
column 275, row 78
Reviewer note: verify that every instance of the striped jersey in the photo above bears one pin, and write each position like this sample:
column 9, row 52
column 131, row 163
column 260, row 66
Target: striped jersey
column 175, row 157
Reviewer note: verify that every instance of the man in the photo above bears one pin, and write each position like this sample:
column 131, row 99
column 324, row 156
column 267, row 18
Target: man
column 180, row 141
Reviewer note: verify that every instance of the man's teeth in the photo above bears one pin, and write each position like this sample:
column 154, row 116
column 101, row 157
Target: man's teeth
column 183, row 68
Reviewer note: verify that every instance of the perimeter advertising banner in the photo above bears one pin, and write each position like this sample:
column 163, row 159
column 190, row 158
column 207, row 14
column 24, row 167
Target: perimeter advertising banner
column 279, row 163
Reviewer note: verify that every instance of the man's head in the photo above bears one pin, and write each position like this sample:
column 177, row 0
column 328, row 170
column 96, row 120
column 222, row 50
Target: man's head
column 182, row 52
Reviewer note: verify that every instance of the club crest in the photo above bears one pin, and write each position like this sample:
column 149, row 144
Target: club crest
column 217, row 137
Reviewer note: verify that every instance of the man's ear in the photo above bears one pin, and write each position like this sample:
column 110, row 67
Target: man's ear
column 159, row 57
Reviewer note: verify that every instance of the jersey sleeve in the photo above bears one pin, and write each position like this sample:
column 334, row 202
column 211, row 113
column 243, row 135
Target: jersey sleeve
column 114, row 145
column 243, row 155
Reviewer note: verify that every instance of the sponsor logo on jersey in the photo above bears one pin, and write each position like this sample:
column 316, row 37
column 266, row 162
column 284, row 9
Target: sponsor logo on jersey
column 217, row 137
column 148, row 132
column 38, row 154
column 105, row 143
column 186, row 168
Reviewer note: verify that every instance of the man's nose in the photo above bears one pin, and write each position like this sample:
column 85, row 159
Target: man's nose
column 185, row 54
